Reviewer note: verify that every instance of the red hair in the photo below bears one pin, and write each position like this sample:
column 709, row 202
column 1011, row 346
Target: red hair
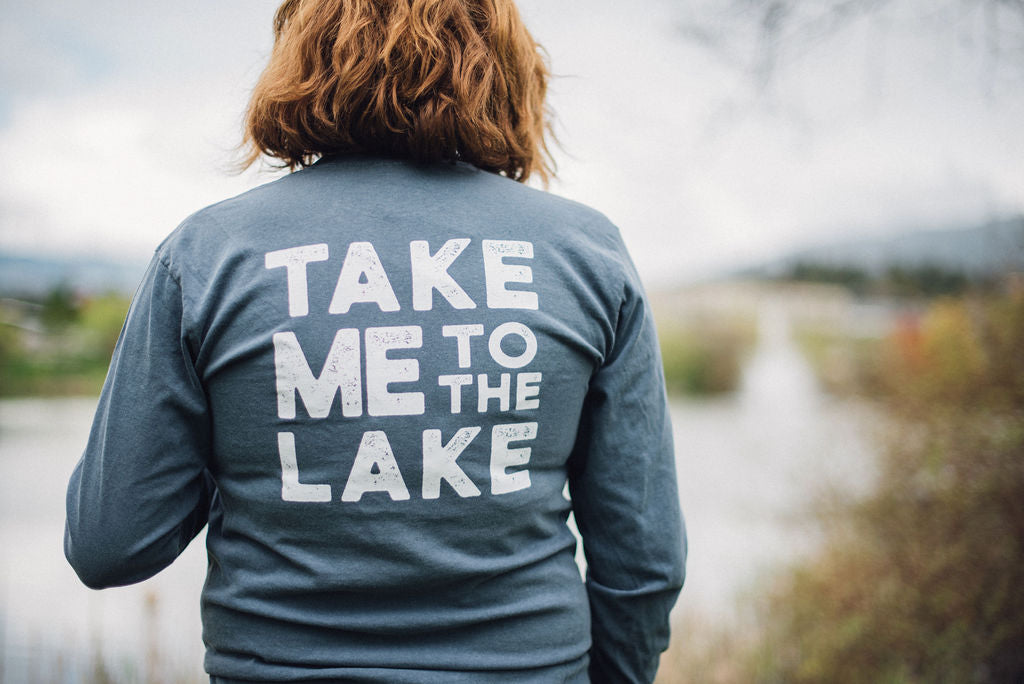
column 428, row 80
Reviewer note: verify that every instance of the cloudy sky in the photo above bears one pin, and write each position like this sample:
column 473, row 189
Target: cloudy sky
column 118, row 119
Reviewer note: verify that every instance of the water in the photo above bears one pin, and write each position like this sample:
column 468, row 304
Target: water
column 51, row 626
column 752, row 465
column 749, row 466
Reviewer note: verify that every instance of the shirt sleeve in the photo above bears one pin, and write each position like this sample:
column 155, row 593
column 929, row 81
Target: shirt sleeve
column 622, row 483
column 141, row 490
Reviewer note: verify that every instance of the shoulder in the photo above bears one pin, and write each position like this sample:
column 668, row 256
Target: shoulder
column 588, row 232
column 555, row 207
column 574, row 225
column 213, row 233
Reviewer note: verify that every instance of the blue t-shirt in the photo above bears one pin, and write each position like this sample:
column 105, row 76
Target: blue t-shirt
column 373, row 380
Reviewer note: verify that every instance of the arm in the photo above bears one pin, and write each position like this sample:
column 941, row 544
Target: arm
column 141, row 491
column 623, row 486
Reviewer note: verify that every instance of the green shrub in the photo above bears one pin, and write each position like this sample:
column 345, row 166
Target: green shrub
column 704, row 358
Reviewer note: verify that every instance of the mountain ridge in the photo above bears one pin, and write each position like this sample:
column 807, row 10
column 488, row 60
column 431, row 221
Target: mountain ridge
column 989, row 249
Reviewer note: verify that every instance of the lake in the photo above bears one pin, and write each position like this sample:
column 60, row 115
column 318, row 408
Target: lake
column 749, row 466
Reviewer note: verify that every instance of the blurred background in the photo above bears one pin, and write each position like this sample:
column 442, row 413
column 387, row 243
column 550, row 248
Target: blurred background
column 825, row 199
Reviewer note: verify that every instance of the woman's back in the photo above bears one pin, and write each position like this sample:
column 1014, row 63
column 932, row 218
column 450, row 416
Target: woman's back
column 374, row 378
column 425, row 522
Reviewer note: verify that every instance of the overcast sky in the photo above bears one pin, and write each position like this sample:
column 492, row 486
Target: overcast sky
column 118, row 119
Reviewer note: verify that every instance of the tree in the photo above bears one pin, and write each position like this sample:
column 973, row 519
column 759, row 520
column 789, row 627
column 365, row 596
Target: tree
column 763, row 37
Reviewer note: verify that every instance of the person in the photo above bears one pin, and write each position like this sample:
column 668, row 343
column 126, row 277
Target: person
column 373, row 378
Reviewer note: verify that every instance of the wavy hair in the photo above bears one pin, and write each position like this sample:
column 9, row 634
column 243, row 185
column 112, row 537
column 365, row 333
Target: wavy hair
column 428, row 80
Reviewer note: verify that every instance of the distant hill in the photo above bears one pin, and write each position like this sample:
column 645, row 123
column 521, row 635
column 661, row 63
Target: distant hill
column 29, row 275
column 977, row 252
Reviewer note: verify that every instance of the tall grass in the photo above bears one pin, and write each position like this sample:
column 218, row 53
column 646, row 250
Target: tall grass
column 49, row 658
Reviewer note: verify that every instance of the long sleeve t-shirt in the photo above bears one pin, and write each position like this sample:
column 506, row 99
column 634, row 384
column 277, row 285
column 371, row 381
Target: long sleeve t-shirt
column 372, row 380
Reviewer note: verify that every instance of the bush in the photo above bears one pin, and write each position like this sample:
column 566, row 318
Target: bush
column 920, row 581
column 704, row 358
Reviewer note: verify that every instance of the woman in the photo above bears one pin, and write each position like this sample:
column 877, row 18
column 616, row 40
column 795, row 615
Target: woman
column 373, row 378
